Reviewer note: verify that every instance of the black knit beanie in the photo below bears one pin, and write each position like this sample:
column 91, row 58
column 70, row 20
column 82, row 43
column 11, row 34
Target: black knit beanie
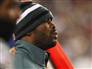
column 32, row 16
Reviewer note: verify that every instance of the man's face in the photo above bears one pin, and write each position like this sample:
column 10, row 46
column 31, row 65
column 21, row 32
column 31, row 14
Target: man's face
column 46, row 35
column 9, row 10
column 8, row 16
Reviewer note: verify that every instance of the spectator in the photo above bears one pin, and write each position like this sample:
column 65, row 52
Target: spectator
column 35, row 33
column 8, row 15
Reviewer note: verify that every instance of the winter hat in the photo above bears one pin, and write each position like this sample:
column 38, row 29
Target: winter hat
column 32, row 16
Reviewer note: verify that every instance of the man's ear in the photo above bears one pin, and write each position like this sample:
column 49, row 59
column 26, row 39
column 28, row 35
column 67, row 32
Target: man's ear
column 29, row 34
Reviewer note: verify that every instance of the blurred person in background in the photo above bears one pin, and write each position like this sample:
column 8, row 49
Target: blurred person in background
column 8, row 16
column 35, row 33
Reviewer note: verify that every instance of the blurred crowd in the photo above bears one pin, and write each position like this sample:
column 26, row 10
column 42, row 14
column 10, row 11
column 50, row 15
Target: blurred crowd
column 73, row 19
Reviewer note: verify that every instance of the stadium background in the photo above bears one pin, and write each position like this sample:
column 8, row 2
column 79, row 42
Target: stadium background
column 73, row 20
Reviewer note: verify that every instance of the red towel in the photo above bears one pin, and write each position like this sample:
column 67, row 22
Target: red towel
column 59, row 58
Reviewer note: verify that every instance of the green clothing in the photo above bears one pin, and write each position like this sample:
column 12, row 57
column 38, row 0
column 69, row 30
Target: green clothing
column 29, row 56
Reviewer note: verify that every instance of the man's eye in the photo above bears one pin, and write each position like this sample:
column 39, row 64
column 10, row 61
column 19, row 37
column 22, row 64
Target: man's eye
column 15, row 4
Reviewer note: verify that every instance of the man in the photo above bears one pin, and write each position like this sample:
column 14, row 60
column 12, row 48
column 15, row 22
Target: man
column 8, row 15
column 34, row 33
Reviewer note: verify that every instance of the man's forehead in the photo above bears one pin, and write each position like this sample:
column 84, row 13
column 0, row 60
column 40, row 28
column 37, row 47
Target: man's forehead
column 24, row 0
column 13, row 2
column 9, row 1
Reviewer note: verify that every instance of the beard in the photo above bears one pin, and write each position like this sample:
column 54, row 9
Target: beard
column 45, row 42
column 6, row 28
column 49, row 44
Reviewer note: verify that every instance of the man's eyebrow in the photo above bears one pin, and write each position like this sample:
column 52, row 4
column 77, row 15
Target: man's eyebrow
column 16, row 3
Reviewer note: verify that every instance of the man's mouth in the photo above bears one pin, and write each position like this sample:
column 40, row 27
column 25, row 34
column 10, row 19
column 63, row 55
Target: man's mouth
column 54, row 35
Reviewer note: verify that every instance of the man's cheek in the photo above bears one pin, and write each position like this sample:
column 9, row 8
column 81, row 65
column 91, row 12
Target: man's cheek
column 14, row 14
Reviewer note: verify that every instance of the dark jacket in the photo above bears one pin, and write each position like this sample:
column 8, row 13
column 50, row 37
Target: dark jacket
column 29, row 56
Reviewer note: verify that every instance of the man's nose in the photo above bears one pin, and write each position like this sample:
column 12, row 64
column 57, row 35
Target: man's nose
column 14, row 13
column 52, row 26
